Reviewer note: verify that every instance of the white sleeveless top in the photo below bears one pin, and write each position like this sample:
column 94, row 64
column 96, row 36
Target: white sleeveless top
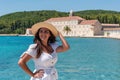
column 46, row 61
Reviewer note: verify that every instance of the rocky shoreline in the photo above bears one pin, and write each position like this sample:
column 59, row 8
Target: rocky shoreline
column 9, row 34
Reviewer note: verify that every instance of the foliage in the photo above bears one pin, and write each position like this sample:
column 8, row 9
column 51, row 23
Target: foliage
column 103, row 16
column 18, row 22
column 67, row 29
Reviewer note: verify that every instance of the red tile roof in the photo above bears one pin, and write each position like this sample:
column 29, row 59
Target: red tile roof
column 88, row 22
column 66, row 18
column 111, row 25
column 29, row 28
column 111, row 29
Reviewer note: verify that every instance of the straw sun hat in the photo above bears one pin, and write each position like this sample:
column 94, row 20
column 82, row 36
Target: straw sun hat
column 49, row 26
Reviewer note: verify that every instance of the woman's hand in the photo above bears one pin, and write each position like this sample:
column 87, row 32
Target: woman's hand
column 39, row 74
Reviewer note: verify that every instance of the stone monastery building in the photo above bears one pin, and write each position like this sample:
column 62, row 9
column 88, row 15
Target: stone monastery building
column 78, row 27
column 74, row 26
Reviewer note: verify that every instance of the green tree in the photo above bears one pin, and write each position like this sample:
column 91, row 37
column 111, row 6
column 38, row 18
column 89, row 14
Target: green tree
column 67, row 29
column 18, row 22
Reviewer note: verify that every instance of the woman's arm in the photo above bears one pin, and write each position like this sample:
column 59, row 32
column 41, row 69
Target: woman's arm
column 22, row 63
column 65, row 46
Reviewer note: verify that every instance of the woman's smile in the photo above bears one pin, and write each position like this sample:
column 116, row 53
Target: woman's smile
column 43, row 37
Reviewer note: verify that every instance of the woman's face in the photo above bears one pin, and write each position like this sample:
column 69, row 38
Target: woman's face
column 44, row 34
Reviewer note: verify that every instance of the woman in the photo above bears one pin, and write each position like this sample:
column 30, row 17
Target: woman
column 43, row 52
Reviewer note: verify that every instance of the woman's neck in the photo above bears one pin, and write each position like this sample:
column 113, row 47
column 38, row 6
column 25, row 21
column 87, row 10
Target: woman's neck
column 45, row 43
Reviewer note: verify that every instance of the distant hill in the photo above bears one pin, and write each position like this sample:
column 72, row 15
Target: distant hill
column 16, row 23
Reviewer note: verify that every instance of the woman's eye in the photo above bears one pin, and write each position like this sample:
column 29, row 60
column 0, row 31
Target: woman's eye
column 41, row 31
column 47, row 32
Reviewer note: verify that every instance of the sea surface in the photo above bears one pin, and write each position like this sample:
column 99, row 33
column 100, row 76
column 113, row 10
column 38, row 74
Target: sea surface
column 87, row 59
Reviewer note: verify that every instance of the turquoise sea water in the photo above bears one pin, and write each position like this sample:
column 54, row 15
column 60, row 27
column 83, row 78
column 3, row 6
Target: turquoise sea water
column 87, row 59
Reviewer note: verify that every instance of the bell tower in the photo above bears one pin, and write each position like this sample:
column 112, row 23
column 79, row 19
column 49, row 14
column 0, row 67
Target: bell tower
column 71, row 13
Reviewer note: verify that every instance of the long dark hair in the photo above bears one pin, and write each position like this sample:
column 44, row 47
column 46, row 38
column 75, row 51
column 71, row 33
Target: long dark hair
column 38, row 41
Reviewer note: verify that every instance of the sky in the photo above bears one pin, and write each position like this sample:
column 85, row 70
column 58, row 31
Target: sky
column 11, row 6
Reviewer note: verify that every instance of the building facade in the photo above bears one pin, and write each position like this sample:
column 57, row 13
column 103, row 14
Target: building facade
column 79, row 27
column 112, row 32
column 76, row 26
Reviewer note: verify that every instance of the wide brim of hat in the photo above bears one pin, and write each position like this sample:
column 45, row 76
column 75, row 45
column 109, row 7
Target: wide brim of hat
column 49, row 26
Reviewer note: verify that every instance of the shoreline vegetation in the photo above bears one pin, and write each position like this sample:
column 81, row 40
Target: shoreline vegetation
column 18, row 22
column 64, row 36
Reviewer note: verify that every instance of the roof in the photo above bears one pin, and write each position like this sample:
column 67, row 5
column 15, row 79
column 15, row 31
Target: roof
column 29, row 28
column 65, row 18
column 88, row 22
column 116, row 25
column 111, row 29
